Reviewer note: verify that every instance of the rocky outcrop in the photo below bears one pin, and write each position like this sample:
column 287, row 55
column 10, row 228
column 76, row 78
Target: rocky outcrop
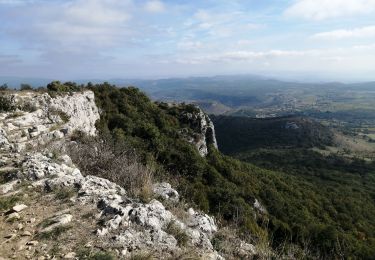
column 130, row 224
column 38, row 119
column 204, row 134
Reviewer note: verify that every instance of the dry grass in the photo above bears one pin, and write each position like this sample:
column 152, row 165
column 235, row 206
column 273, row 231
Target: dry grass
column 64, row 116
column 178, row 209
column 179, row 234
column 8, row 202
column 98, row 157
column 65, row 193
column 141, row 256
column 15, row 114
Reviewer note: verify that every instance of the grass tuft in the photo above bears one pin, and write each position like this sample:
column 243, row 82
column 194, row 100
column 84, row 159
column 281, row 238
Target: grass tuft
column 8, row 202
column 65, row 193
column 179, row 234
column 53, row 234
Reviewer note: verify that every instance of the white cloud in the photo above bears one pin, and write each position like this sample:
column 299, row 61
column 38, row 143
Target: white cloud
column 74, row 25
column 309, row 57
column 214, row 24
column 244, row 56
column 155, row 6
column 364, row 32
column 326, row 9
column 189, row 45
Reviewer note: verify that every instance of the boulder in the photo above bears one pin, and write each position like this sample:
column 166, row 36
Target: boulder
column 57, row 221
column 245, row 250
column 19, row 207
column 13, row 216
column 165, row 191
column 202, row 222
column 152, row 215
column 8, row 187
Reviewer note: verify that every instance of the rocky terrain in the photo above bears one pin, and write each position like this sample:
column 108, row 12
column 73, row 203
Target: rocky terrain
column 50, row 210
column 205, row 131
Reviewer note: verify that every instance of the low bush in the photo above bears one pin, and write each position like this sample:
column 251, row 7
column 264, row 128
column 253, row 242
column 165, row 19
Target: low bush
column 58, row 87
column 6, row 104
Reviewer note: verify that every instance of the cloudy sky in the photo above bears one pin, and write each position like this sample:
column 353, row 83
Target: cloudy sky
column 75, row 39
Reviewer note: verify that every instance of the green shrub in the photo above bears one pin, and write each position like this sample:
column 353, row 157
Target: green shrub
column 58, row 87
column 8, row 202
column 6, row 104
column 25, row 87
column 101, row 256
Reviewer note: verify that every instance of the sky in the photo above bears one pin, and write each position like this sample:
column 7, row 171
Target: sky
column 78, row 39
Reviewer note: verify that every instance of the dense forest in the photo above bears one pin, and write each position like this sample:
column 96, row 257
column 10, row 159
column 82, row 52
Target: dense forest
column 323, row 204
column 335, row 191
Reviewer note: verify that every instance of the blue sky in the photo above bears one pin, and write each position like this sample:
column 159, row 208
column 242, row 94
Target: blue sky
column 75, row 39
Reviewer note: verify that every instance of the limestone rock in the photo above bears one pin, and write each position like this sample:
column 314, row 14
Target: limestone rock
column 81, row 110
column 202, row 222
column 151, row 215
column 136, row 240
column 165, row 191
column 57, row 221
column 246, row 251
column 70, row 255
column 8, row 187
column 4, row 143
column 19, row 207
column 51, row 120
column 13, row 216
column 204, row 131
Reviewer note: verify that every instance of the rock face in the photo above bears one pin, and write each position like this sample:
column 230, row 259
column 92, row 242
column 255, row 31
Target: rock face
column 205, row 131
column 39, row 119
column 80, row 109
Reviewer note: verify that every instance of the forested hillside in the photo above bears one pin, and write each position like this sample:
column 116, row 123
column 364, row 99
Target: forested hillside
column 331, row 192
column 330, row 216
column 244, row 133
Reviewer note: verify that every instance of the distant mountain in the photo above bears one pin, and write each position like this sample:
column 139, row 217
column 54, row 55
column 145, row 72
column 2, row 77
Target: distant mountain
column 15, row 82
column 221, row 94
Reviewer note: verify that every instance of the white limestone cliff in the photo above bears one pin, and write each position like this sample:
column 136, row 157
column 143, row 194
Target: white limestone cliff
column 205, row 131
